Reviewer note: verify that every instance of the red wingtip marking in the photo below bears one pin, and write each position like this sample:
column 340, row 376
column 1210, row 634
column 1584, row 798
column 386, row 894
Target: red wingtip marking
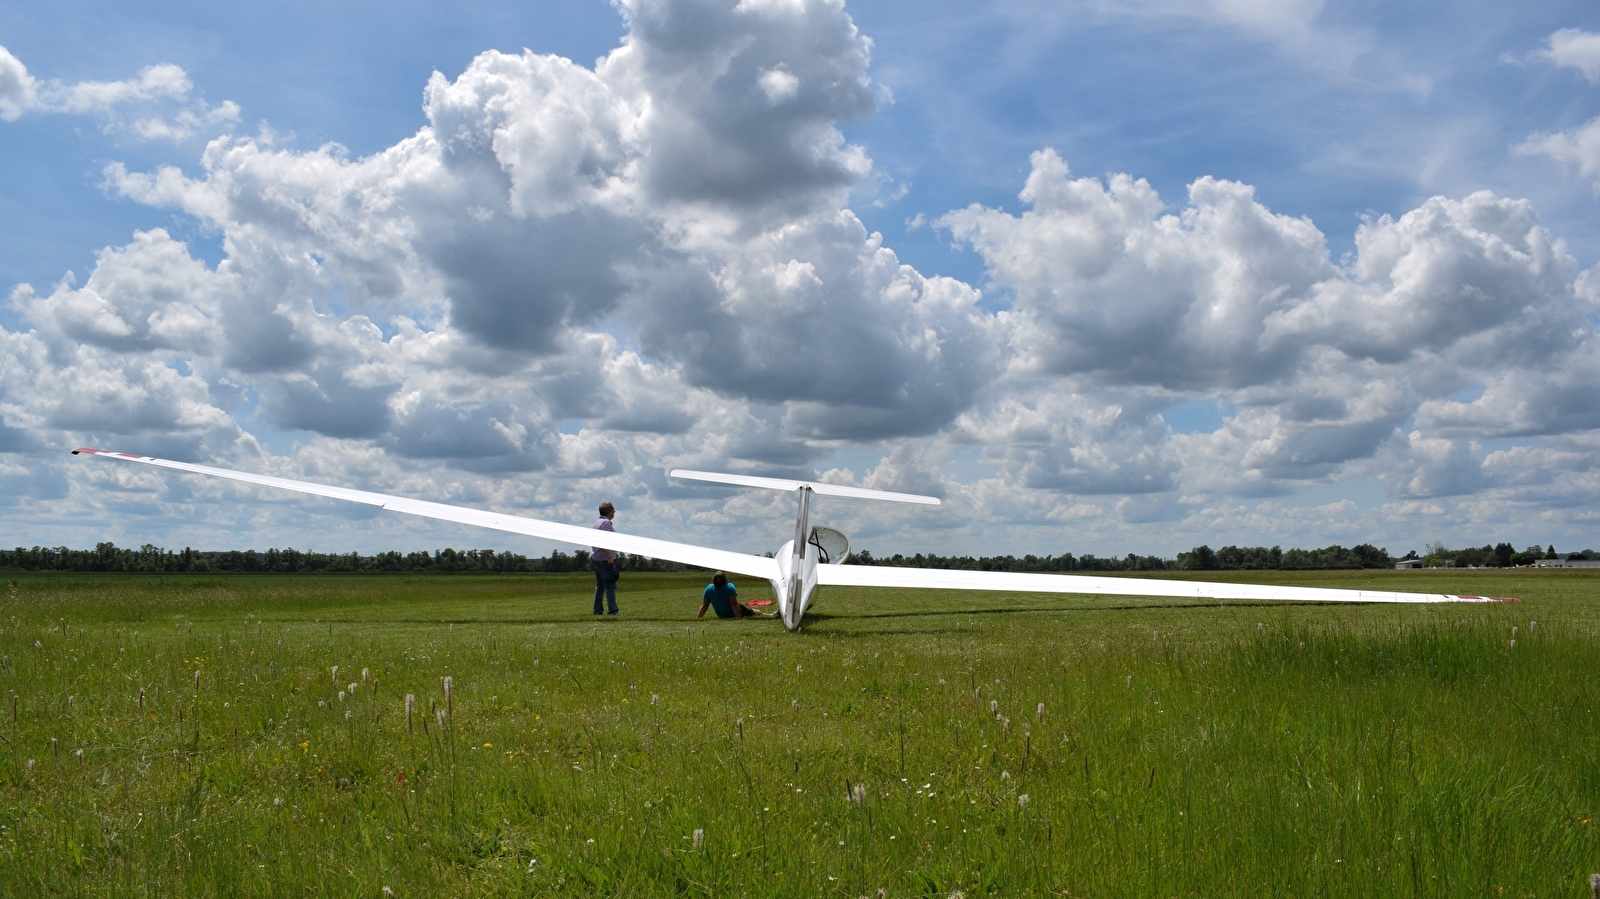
column 85, row 449
column 1505, row 599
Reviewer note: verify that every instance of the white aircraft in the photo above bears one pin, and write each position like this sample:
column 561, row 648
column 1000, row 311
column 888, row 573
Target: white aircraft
column 813, row 557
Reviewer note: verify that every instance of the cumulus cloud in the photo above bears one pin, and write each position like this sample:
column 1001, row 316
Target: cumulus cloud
column 1574, row 48
column 572, row 279
column 157, row 104
column 1575, row 149
column 18, row 91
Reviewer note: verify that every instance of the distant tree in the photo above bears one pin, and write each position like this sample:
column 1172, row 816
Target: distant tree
column 1502, row 554
column 1201, row 558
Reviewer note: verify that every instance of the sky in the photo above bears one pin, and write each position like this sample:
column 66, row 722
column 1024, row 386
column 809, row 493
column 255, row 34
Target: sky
column 1106, row 277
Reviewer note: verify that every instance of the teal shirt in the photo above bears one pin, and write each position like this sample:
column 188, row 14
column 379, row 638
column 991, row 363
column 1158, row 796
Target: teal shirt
column 722, row 598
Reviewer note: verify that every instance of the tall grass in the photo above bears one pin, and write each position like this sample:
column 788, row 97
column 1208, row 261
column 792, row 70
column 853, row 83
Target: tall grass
column 1163, row 748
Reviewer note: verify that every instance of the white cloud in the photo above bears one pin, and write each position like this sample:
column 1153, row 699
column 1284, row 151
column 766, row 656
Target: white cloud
column 1576, row 149
column 19, row 92
column 1575, row 49
column 155, row 105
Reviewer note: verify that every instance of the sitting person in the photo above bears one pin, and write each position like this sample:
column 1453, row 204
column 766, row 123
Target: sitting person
column 723, row 596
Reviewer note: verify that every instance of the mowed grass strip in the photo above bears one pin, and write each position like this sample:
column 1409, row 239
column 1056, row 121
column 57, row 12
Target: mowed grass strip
column 248, row 736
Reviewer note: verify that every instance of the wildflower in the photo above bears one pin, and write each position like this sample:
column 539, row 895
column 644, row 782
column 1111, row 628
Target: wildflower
column 1533, row 626
column 322, row 703
column 387, row 891
column 1039, row 712
column 699, row 837
column 364, row 673
column 1005, row 775
column 655, row 698
column 336, row 674
column 341, row 696
column 197, row 680
column 738, row 726
column 1005, row 725
column 858, row 794
column 994, row 706
column 411, row 701
column 305, row 745
column 277, row 802
column 449, row 687
column 351, row 689
column 79, row 754
column 440, row 715
column 1022, row 801
column 954, row 894
column 1130, row 681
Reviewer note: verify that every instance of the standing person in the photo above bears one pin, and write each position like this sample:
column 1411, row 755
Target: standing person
column 723, row 596
column 604, row 562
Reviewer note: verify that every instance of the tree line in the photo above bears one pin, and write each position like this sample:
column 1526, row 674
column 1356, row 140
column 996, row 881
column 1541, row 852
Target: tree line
column 151, row 559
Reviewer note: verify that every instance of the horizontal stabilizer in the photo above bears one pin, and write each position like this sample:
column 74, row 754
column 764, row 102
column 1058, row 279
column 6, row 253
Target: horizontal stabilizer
column 787, row 484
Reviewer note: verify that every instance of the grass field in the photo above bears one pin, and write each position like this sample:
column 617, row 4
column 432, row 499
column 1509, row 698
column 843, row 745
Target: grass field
column 239, row 736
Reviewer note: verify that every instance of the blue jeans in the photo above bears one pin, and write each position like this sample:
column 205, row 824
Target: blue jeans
column 603, row 588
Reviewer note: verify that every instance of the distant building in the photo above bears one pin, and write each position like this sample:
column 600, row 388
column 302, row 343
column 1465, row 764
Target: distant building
column 1566, row 563
column 1408, row 563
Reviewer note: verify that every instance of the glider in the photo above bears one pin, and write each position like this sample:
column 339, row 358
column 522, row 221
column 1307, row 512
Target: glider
column 813, row 558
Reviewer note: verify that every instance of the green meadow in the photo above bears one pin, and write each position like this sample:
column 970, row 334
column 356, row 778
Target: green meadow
column 249, row 736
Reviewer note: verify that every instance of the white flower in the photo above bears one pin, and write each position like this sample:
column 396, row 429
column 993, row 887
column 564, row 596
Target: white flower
column 699, row 837
column 1023, row 800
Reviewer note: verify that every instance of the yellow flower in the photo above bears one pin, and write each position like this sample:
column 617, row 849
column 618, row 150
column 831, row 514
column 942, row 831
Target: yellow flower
column 305, row 744
column 488, row 746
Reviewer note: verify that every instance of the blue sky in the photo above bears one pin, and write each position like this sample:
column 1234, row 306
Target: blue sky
column 1279, row 413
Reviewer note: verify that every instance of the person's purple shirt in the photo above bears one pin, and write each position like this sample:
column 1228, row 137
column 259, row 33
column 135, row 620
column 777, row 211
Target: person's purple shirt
column 598, row 554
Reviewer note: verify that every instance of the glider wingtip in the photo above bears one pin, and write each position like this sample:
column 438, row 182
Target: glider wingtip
column 87, row 449
column 1505, row 599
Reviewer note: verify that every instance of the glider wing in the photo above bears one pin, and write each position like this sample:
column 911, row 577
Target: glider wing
column 1024, row 582
column 688, row 554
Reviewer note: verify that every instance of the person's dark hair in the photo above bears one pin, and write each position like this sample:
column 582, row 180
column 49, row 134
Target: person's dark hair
column 607, row 510
column 720, row 579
